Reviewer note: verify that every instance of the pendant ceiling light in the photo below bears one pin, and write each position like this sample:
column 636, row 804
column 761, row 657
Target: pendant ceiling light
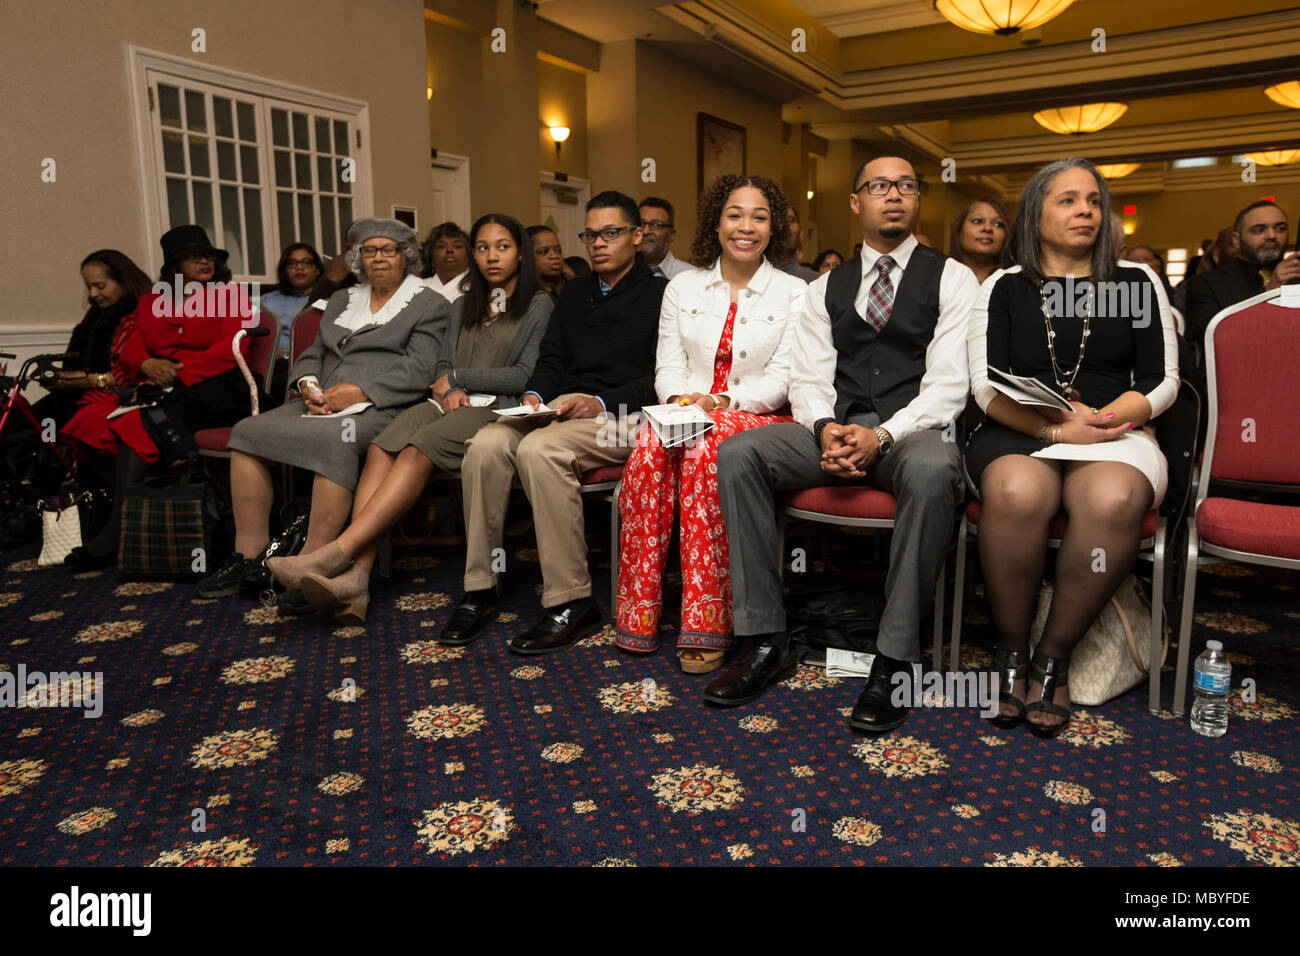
column 1117, row 170
column 1075, row 120
column 1002, row 17
column 1285, row 94
column 1275, row 157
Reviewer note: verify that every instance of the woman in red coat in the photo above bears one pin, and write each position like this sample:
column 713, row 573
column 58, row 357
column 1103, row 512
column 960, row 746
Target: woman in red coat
column 181, row 343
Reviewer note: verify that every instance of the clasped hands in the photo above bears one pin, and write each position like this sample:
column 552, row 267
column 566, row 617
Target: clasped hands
column 333, row 399
column 848, row 450
column 1085, row 425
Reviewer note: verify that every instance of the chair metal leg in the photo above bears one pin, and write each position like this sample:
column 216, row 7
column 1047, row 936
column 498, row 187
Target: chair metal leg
column 1157, row 613
column 958, row 596
column 1185, row 626
column 936, row 656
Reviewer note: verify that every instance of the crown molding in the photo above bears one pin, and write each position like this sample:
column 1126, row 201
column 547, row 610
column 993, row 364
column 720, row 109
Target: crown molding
column 882, row 16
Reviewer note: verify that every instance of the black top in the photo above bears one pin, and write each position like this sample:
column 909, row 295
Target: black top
column 603, row 345
column 1125, row 349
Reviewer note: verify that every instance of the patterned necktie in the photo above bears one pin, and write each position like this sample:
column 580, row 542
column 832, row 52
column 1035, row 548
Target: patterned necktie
column 881, row 301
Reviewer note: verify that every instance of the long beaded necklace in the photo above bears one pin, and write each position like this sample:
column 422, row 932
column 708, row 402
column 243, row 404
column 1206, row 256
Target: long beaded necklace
column 1071, row 393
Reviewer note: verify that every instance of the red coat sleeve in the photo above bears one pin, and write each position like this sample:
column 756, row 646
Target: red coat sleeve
column 133, row 352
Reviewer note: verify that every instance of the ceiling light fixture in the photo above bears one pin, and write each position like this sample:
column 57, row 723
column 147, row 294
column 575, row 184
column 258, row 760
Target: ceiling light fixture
column 1002, row 17
column 1275, row 157
column 1077, row 120
column 1117, row 170
column 1285, row 94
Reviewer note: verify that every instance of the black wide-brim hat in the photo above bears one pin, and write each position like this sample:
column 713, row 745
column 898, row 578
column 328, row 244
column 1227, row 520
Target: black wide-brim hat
column 185, row 240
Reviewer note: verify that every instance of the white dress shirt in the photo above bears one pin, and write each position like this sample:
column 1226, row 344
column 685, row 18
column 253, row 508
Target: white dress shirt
column 946, row 381
column 691, row 320
column 672, row 266
column 449, row 290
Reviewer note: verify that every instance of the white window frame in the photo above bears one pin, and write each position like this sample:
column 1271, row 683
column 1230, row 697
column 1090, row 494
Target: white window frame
column 141, row 63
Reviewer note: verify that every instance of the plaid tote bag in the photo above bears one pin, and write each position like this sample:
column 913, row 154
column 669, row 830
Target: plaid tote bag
column 169, row 527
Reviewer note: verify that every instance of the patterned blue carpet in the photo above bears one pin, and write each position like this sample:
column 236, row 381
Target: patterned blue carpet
column 231, row 737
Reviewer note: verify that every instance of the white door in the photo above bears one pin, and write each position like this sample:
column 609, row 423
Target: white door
column 450, row 197
column 564, row 210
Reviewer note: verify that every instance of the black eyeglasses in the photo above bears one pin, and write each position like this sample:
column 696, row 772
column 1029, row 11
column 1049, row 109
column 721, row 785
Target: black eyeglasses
column 879, row 187
column 588, row 237
column 656, row 225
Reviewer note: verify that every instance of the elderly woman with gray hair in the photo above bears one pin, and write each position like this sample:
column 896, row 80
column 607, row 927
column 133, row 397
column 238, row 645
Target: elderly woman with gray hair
column 375, row 354
column 1100, row 335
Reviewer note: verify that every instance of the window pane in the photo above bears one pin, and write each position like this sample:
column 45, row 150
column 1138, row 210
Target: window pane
column 345, row 213
column 302, row 162
column 322, row 135
column 283, row 169
column 196, row 114
column 202, row 193
column 340, row 138
column 328, row 234
column 169, row 106
column 284, row 210
column 223, row 120
column 173, row 151
column 279, row 126
column 300, row 140
column 248, row 163
column 324, row 177
column 178, row 203
column 247, row 122
column 232, row 235
column 344, row 186
column 306, row 221
column 253, row 223
column 226, row 160
column 199, row 165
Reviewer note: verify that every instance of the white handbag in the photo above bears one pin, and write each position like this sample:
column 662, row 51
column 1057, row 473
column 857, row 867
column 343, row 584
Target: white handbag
column 60, row 529
column 1114, row 655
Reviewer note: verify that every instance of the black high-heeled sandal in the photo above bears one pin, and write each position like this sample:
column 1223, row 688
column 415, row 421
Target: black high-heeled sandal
column 1010, row 667
column 1051, row 673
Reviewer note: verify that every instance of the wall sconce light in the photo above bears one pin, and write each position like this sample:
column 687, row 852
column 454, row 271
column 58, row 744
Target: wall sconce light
column 559, row 134
column 810, row 194
column 428, row 92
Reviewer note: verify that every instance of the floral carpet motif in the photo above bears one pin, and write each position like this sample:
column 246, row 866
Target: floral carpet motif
column 303, row 742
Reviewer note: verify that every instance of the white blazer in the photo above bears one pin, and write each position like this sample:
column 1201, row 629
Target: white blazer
column 691, row 319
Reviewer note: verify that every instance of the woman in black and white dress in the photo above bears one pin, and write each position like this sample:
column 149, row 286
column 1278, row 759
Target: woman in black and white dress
column 1099, row 334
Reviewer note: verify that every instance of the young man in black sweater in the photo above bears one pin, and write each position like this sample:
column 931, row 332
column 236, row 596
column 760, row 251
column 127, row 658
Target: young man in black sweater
column 596, row 368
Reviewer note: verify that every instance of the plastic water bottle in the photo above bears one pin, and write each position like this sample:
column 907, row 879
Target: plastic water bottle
column 1211, row 684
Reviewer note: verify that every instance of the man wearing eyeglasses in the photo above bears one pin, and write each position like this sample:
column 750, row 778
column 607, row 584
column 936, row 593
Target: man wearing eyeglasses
column 658, row 231
column 878, row 379
column 596, row 368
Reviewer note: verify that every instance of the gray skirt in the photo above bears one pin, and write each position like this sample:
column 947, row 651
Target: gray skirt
column 331, row 447
column 438, row 437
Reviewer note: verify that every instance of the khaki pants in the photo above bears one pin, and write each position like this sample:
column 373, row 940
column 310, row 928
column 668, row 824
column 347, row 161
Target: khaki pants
column 550, row 460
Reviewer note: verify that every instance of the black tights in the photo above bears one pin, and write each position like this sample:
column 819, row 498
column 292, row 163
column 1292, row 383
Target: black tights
column 1105, row 503
column 128, row 469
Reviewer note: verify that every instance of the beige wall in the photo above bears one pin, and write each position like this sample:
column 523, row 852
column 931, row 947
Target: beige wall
column 669, row 95
column 63, row 69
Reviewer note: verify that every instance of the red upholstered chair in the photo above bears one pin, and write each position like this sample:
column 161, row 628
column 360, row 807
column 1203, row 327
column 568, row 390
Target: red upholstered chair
column 860, row 506
column 1253, row 443
column 1152, row 549
column 607, row 479
column 213, row 442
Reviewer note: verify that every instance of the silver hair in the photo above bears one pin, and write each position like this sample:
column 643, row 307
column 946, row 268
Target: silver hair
column 1026, row 245
column 410, row 251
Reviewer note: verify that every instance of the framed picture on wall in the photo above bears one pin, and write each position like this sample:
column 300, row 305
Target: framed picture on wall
column 721, row 148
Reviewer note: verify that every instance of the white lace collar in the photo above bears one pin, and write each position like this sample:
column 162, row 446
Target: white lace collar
column 357, row 315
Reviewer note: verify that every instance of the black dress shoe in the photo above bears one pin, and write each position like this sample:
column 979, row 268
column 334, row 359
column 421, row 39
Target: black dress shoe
column 82, row 560
column 559, row 628
column 467, row 622
column 293, row 604
column 875, row 712
column 766, row 664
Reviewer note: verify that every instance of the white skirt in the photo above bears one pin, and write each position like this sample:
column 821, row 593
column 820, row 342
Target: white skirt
column 1137, row 448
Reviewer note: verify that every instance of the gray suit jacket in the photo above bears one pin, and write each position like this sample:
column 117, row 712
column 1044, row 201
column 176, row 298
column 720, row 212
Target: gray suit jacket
column 393, row 363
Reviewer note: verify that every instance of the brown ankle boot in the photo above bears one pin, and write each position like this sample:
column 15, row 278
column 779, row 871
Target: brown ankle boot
column 327, row 562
